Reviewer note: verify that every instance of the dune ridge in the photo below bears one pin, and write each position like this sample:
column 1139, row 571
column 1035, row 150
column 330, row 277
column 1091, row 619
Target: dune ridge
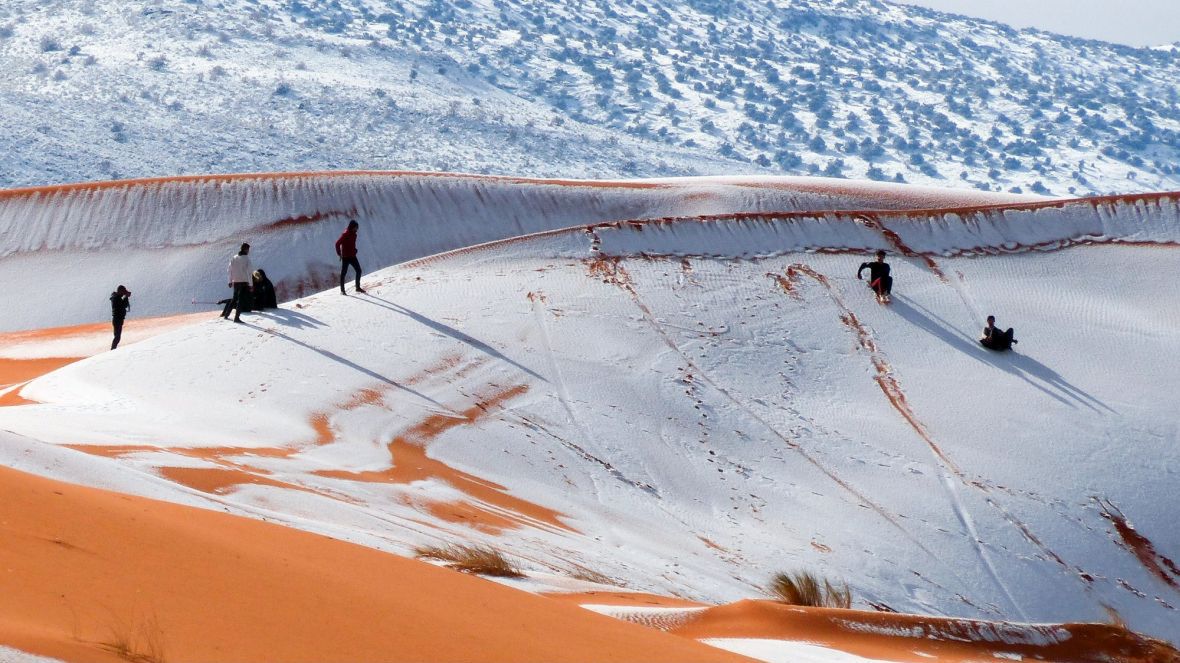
column 168, row 239
column 681, row 368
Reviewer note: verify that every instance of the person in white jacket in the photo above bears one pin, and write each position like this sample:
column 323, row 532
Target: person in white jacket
column 240, row 273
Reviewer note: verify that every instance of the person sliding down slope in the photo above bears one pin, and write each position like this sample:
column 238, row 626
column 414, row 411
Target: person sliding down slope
column 879, row 279
column 346, row 249
column 995, row 339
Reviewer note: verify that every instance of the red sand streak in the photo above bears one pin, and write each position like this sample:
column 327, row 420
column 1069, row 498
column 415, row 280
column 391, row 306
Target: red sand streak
column 795, row 217
column 789, row 285
column 215, row 480
column 1057, row 244
column 410, row 464
column 1142, row 547
column 611, row 270
column 897, row 399
column 874, row 221
column 316, row 278
column 884, row 377
column 306, row 219
column 445, row 363
column 913, row 638
column 54, row 189
column 220, row 480
column 475, row 516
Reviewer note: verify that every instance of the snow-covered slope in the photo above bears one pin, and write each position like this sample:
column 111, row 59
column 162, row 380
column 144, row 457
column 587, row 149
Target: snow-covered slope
column 169, row 240
column 108, row 89
column 689, row 406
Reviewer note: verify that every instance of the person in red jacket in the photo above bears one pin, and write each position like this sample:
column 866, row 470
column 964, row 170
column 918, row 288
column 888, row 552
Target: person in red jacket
column 346, row 249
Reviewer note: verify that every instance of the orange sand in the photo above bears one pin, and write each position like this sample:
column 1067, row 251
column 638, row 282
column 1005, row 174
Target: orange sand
column 491, row 509
column 86, row 568
column 163, row 323
column 628, row 599
column 219, row 480
column 410, row 463
column 16, row 371
column 911, row 638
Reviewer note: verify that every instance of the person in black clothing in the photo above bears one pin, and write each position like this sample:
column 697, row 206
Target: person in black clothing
column 346, row 249
column 995, row 339
column 879, row 279
column 264, row 292
column 120, row 304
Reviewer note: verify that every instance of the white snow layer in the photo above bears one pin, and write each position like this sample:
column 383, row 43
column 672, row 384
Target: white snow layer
column 169, row 241
column 10, row 655
column 782, row 651
column 701, row 423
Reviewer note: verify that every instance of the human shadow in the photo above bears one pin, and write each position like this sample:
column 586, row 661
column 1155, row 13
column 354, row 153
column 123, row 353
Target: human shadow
column 1022, row 366
column 351, row 364
column 450, row 331
column 1049, row 376
column 289, row 318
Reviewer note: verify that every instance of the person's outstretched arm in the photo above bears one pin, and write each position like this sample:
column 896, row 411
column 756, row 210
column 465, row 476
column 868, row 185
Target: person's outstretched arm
column 863, row 267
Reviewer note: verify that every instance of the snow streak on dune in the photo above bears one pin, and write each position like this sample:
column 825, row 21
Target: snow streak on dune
column 169, row 239
column 686, row 406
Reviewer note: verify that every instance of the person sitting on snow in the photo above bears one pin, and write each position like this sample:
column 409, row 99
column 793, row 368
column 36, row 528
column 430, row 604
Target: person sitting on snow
column 995, row 339
column 264, row 292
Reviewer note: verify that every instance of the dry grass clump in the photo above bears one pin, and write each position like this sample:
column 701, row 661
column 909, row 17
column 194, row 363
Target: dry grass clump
column 590, row 575
column 141, row 642
column 804, row 588
column 483, row 560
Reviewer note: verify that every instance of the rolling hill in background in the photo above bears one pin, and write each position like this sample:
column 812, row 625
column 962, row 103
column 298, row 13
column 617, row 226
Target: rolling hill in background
column 620, row 88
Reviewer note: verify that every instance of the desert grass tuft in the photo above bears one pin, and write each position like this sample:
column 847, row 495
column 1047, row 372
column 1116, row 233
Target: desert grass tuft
column 590, row 575
column 142, row 642
column 483, row 560
column 804, row 588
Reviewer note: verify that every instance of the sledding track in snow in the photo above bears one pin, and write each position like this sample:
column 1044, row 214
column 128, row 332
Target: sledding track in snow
column 702, row 401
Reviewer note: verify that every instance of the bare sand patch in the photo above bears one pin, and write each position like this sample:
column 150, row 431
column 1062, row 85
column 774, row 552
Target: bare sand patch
column 86, row 568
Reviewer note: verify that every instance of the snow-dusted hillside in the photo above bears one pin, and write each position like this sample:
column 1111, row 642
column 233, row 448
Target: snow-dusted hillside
column 688, row 406
column 105, row 89
column 169, row 241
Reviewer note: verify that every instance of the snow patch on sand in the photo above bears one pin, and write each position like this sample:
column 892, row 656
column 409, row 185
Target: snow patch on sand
column 784, row 651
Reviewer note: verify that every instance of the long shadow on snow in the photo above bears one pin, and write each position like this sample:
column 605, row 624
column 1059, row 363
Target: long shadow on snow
column 449, row 331
column 289, row 318
column 1022, row 366
column 337, row 358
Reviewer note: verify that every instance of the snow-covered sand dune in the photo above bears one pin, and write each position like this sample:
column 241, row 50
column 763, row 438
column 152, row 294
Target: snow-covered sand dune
column 688, row 406
column 169, row 239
